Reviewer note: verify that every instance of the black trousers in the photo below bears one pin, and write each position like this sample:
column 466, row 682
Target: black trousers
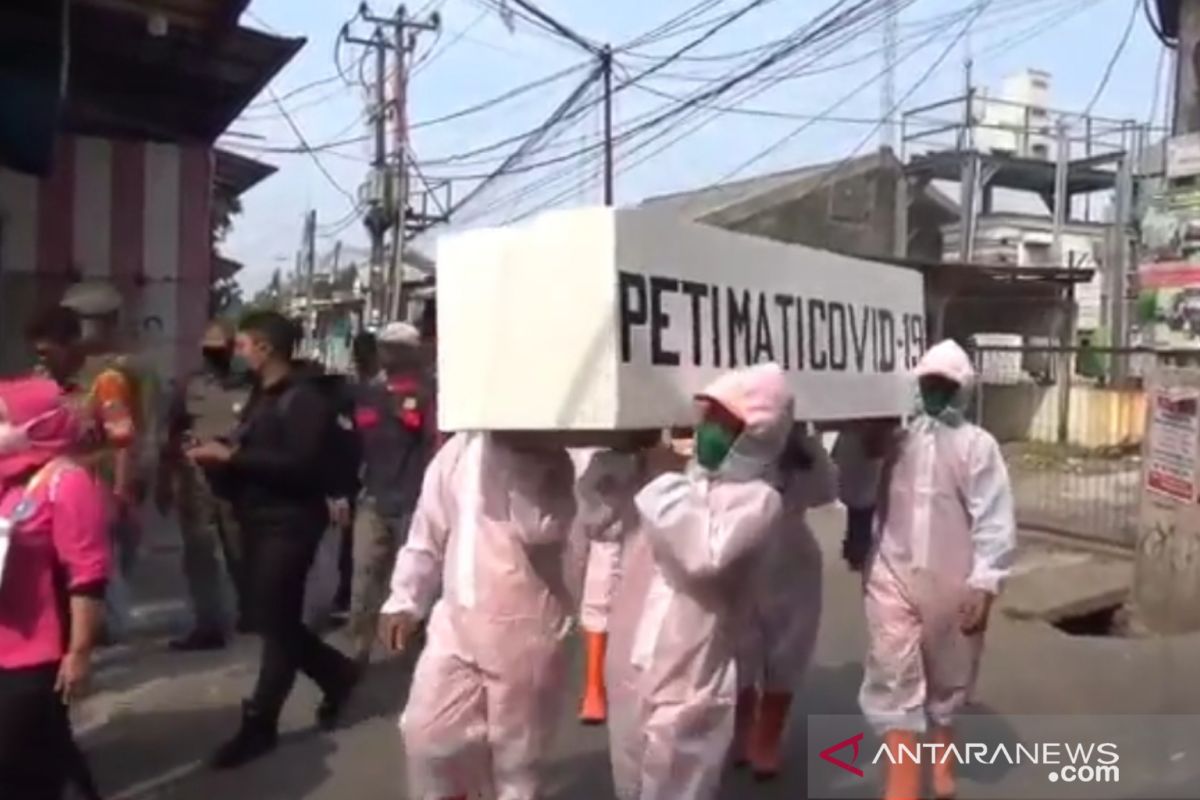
column 278, row 561
column 35, row 734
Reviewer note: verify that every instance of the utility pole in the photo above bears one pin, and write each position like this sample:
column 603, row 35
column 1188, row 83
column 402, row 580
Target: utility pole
column 388, row 204
column 606, row 59
column 887, row 97
column 404, row 44
column 310, row 272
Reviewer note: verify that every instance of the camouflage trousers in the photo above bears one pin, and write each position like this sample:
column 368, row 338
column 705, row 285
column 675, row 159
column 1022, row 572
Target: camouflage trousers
column 377, row 539
column 210, row 535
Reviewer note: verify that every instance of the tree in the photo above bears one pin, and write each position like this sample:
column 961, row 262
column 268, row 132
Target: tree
column 271, row 295
column 224, row 294
column 225, row 207
column 225, row 297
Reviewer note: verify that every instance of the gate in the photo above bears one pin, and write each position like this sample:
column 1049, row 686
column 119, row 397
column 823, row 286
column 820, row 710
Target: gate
column 1071, row 423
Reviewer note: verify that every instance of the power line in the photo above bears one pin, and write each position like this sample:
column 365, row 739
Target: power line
column 499, row 99
column 840, row 22
column 652, row 154
column 896, row 106
column 1116, row 56
column 312, row 153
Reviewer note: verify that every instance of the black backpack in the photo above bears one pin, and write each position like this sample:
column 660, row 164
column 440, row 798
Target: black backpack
column 342, row 453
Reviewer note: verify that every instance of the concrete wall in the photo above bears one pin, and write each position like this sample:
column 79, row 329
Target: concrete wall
column 1097, row 417
column 133, row 213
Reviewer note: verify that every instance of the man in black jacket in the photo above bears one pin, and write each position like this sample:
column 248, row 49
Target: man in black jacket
column 275, row 474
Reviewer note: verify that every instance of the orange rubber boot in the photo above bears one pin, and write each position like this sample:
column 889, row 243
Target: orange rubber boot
column 945, row 786
column 747, row 710
column 766, row 740
column 594, row 710
column 903, row 777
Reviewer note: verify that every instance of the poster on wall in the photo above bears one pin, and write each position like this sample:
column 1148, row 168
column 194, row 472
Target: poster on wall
column 1168, row 304
column 1174, row 426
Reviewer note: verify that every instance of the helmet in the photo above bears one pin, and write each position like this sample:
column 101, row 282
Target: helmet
column 92, row 299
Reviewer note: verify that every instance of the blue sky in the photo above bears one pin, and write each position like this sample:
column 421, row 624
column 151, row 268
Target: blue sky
column 477, row 58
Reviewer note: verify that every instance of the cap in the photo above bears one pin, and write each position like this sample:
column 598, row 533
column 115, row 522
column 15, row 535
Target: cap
column 92, row 298
column 400, row 333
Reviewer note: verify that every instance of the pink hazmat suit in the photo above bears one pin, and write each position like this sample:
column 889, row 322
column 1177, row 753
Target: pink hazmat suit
column 945, row 527
column 779, row 633
column 488, row 537
column 689, row 544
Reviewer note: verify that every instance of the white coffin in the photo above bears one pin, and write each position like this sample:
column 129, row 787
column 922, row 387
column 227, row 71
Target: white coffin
column 600, row 319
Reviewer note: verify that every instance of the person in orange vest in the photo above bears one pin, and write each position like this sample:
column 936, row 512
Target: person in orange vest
column 113, row 391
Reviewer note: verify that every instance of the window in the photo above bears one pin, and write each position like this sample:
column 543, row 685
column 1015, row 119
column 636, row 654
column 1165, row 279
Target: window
column 1040, row 150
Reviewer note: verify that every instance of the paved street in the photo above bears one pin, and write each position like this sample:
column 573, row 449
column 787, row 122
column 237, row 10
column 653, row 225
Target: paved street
column 157, row 714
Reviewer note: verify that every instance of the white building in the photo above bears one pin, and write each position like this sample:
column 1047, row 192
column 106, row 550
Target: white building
column 1027, row 240
column 1016, row 121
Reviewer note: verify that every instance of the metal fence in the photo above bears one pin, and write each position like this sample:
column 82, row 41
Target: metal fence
column 1071, row 423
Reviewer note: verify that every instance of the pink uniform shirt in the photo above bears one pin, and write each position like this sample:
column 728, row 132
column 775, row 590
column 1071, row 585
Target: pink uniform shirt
column 59, row 545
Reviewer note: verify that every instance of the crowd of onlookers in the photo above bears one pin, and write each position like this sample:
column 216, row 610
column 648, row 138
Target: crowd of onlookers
column 260, row 455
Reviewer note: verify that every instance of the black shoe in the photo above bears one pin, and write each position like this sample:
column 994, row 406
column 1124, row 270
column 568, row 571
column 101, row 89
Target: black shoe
column 199, row 641
column 256, row 738
column 330, row 710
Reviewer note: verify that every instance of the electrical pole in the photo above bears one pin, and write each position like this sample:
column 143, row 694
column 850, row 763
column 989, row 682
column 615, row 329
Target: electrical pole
column 310, row 273
column 606, row 59
column 388, row 203
column 887, row 96
column 404, row 45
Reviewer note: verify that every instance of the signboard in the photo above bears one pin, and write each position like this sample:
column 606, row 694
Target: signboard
column 1183, row 156
column 1168, row 304
column 604, row 319
column 1174, row 425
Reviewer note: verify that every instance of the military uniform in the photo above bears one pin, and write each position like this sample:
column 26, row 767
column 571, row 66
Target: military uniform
column 206, row 407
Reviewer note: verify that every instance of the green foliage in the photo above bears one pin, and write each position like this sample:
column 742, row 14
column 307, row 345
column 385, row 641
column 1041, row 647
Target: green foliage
column 1147, row 307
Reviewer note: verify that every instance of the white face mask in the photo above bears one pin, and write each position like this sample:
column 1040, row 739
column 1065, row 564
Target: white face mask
column 13, row 438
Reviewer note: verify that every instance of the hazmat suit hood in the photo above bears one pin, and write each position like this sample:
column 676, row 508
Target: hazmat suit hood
column 760, row 397
column 947, row 360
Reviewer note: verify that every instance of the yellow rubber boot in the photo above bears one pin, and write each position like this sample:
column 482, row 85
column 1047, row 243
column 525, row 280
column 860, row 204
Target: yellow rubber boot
column 594, row 709
column 903, row 777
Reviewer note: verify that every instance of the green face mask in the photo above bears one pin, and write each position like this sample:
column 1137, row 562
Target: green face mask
column 936, row 400
column 713, row 444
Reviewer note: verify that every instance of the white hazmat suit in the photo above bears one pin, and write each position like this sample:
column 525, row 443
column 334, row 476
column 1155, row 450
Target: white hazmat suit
column 689, row 545
column 601, row 574
column 779, row 629
column 488, row 536
column 945, row 530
